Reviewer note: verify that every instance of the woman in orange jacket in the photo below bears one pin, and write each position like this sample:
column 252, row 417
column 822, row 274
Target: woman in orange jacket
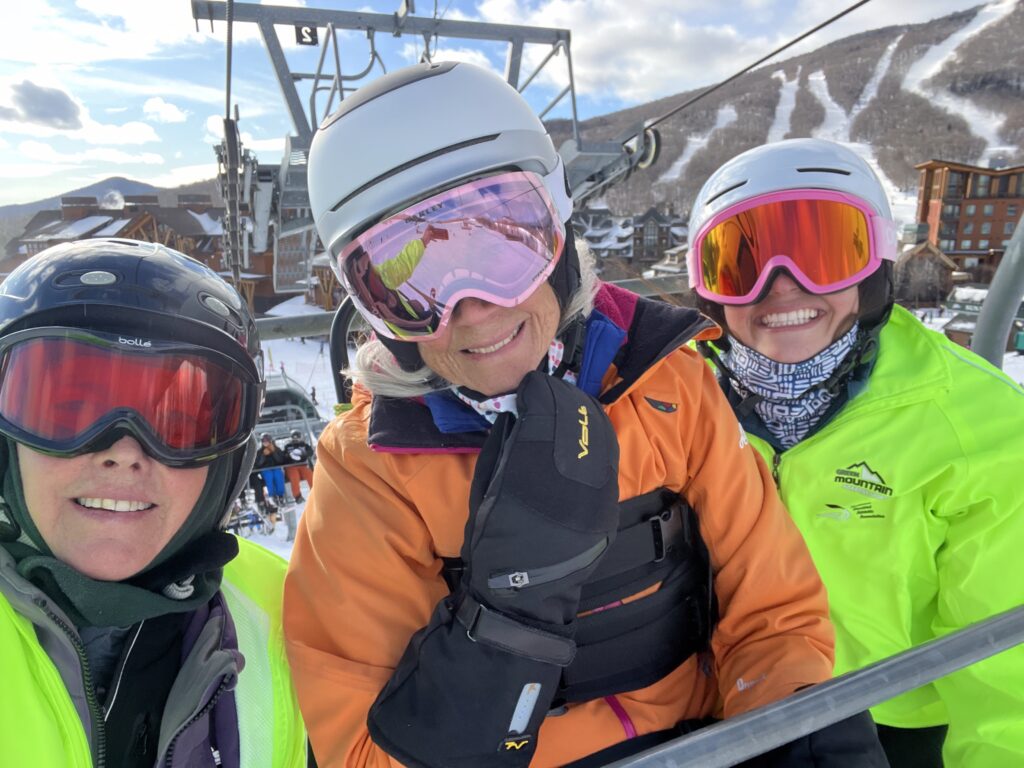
column 539, row 537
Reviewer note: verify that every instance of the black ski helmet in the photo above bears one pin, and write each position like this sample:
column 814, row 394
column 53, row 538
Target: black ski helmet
column 128, row 287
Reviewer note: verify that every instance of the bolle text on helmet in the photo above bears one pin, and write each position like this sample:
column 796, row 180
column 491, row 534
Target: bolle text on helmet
column 134, row 342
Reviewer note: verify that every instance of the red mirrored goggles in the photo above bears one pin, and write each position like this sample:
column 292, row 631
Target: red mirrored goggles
column 827, row 241
column 63, row 391
column 496, row 238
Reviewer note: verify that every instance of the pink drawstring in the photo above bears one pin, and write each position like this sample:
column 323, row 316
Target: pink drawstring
column 620, row 712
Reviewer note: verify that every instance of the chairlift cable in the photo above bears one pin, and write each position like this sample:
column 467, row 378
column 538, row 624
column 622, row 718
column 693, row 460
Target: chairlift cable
column 794, row 41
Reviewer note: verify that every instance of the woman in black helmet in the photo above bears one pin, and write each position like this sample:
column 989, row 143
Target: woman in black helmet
column 131, row 381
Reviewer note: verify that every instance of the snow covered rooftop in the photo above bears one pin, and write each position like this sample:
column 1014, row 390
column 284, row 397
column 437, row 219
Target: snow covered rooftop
column 293, row 307
column 210, row 225
column 112, row 228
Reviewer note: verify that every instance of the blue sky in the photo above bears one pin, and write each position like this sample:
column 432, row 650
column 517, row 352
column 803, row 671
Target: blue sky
column 97, row 88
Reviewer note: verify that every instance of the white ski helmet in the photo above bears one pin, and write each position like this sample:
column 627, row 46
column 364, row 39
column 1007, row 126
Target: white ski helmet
column 416, row 131
column 789, row 164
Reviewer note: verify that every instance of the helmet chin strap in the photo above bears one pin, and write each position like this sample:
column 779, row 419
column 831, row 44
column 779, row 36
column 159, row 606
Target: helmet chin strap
column 564, row 279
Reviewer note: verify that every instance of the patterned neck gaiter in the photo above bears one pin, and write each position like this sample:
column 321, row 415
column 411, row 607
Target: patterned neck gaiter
column 791, row 400
column 491, row 407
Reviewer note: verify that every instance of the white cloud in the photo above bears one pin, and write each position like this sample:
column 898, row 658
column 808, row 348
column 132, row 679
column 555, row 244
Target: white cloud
column 411, row 54
column 160, row 111
column 661, row 47
column 31, row 171
column 42, row 152
column 185, row 174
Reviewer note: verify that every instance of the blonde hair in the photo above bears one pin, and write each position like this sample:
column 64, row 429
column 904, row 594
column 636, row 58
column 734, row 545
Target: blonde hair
column 377, row 369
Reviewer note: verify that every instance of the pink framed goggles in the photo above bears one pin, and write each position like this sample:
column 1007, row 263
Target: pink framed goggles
column 496, row 238
column 826, row 240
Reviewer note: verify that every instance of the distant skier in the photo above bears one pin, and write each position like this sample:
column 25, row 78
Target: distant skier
column 298, row 463
column 896, row 451
column 269, row 460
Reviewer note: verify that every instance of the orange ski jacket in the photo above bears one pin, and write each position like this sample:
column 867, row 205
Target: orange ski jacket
column 365, row 573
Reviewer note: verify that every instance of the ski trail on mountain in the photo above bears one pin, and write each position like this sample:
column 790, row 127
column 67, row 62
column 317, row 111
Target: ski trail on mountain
column 726, row 117
column 871, row 89
column 837, row 124
column 982, row 122
column 784, row 110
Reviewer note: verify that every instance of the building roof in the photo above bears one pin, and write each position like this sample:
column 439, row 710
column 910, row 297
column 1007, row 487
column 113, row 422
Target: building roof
column 933, row 164
column 926, row 247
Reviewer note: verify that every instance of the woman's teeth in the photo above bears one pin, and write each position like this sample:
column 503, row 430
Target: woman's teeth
column 494, row 347
column 796, row 317
column 115, row 505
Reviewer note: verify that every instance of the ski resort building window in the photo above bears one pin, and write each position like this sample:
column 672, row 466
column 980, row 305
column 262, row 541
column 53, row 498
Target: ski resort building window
column 988, row 210
column 951, row 211
column 970, row 210
column 954, row 184
column 981, row 185
column 982, row 245
column 1008, row 228
column 969, row 228
column 986, row 227
column 965, row 244
column 947, row 245
column 1011, row 210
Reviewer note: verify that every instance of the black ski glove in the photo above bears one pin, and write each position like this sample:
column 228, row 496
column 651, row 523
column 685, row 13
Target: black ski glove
column 475, row 684
column 543, row 511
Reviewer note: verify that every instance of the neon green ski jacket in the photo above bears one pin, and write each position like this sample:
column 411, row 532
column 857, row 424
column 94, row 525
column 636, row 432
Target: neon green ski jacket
column 912, row 504
column 41, row 726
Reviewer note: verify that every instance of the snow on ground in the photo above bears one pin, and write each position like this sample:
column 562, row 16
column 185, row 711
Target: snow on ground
column 983, row 123
column 784, row 111
column 276, row 541
column 308, row 364
column 726, row 117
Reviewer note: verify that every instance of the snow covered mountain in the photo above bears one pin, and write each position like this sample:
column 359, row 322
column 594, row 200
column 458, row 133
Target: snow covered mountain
column 951, row 88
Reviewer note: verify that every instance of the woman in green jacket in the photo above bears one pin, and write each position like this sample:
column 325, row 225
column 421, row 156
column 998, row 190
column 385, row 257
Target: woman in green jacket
column 130, row 381
column 897, row 452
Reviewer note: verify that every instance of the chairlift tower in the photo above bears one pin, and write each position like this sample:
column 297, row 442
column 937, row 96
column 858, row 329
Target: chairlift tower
column 282, row 199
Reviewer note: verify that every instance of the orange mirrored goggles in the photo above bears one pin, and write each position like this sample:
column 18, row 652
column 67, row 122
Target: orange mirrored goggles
column 827, row 241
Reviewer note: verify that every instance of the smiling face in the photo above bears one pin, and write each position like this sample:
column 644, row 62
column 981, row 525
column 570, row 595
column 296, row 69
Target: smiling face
column 109, row 513
column 488, row 348
column 790, row 325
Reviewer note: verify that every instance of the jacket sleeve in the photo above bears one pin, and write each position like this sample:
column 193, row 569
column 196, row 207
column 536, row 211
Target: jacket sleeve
column 981, row 571
column 362, row 580
column 773, row 636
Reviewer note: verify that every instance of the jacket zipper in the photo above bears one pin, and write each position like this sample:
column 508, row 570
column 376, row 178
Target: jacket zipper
column 169, row 761
column 95, row 714
column 776, row 461
column 547, row 573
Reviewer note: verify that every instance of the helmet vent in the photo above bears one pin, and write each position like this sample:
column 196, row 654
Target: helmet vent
column 823, row 170
column 725, row 191
column 410, row 164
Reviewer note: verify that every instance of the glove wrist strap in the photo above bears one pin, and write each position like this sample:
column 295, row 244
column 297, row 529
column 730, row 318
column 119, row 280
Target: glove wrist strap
column 489, row 627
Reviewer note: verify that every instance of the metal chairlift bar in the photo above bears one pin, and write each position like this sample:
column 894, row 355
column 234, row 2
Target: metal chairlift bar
column 384, row 22
column 555, row 101
column 1002, row 301
column 554, row 49
column 745, row 736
